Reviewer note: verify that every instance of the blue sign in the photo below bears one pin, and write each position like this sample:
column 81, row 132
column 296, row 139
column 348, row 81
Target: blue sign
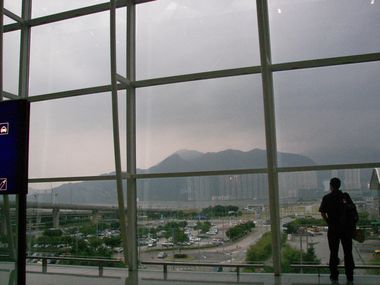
column 14, row 145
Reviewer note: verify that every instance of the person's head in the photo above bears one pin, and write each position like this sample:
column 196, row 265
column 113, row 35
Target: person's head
column 335, row 183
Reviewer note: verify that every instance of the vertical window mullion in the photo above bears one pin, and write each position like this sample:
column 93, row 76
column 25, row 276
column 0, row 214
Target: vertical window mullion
column 131, row 139
column 115, row 125
column 25, row 49
column 270, row 131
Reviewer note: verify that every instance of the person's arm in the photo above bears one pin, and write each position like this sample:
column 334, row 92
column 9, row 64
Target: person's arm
column 325, row 217
column 323, row 210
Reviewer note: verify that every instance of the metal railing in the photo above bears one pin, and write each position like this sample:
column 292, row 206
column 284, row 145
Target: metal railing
column 237, row 266
column 99, row 262
column 320, row 267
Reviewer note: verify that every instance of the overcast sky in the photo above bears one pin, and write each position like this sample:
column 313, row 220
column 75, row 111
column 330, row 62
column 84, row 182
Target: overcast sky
column 330, row 113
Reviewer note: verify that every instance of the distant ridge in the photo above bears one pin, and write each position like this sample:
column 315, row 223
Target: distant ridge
column 189, row 160
column 189, row 154
column 179, row 189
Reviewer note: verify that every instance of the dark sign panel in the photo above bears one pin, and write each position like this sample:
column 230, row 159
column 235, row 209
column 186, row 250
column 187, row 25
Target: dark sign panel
column 14, row 142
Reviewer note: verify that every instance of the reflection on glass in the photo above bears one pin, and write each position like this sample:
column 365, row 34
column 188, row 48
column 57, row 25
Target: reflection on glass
column 71, row 137
column 207, row 125
column 70, row 54
column 11, row 61
column 204, row 219
column 327, row 115
column 44, row 8
column 305, row 239
column 305, row 29
column 177, row 37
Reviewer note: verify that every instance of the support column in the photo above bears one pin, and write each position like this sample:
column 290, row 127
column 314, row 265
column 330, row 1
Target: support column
column 96, row 216
column 38, row 218
column 55, row 214
column 3, row 229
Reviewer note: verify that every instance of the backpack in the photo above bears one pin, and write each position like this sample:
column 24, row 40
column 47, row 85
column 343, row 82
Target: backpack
column 348, row 215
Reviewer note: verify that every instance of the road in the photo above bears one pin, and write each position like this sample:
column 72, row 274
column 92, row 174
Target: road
column 229, row 252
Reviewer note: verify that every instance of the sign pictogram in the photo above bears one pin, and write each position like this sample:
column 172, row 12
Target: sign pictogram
column 4, row 129
column 3, row 184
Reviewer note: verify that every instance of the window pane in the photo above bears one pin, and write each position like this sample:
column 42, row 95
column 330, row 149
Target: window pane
column 44, row 8
column 206, row 218
column 72, row 220
column 122, row 101
column 182, row 36
column 11, row 61
column 70, row 54
column 121, row 41
column 8, row 20
column 203, row 125
column 315, row 29
column 71, row 137
column 329, row 115
column 14, row 6
column 301, row 194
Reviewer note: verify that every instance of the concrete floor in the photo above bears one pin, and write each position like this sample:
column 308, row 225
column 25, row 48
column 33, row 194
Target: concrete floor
column 82, row 275
column 187, row 278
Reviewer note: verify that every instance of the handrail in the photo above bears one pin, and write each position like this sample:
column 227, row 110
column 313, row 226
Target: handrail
column 359, row 266
column 219, row 265
column 325, row 266
column 99, row 261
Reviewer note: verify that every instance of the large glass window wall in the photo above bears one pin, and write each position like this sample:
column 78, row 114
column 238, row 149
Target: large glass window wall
column 216, row 115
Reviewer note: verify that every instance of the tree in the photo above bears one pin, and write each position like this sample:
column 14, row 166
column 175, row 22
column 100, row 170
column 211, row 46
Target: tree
column 261, row 250
column 293, row 226
column 291, row 255
column 240, row 230
column 204, row 227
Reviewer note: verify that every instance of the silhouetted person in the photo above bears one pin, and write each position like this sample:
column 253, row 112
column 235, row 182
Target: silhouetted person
column 340, row 229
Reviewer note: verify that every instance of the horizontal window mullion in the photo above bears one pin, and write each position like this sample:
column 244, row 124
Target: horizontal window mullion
column 75, row 13
column 333, row 61
column 72, row 179
column 73, row 93
column 329, row 167
column 197, row 76
column 201, row 173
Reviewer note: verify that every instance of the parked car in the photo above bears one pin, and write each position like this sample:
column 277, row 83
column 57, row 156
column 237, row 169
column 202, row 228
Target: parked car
column 162, row 254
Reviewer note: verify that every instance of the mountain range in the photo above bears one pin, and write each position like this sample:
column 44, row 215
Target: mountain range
column 183, row 188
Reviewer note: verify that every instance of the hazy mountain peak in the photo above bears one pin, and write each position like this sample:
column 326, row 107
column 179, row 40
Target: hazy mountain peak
column 189, row 154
